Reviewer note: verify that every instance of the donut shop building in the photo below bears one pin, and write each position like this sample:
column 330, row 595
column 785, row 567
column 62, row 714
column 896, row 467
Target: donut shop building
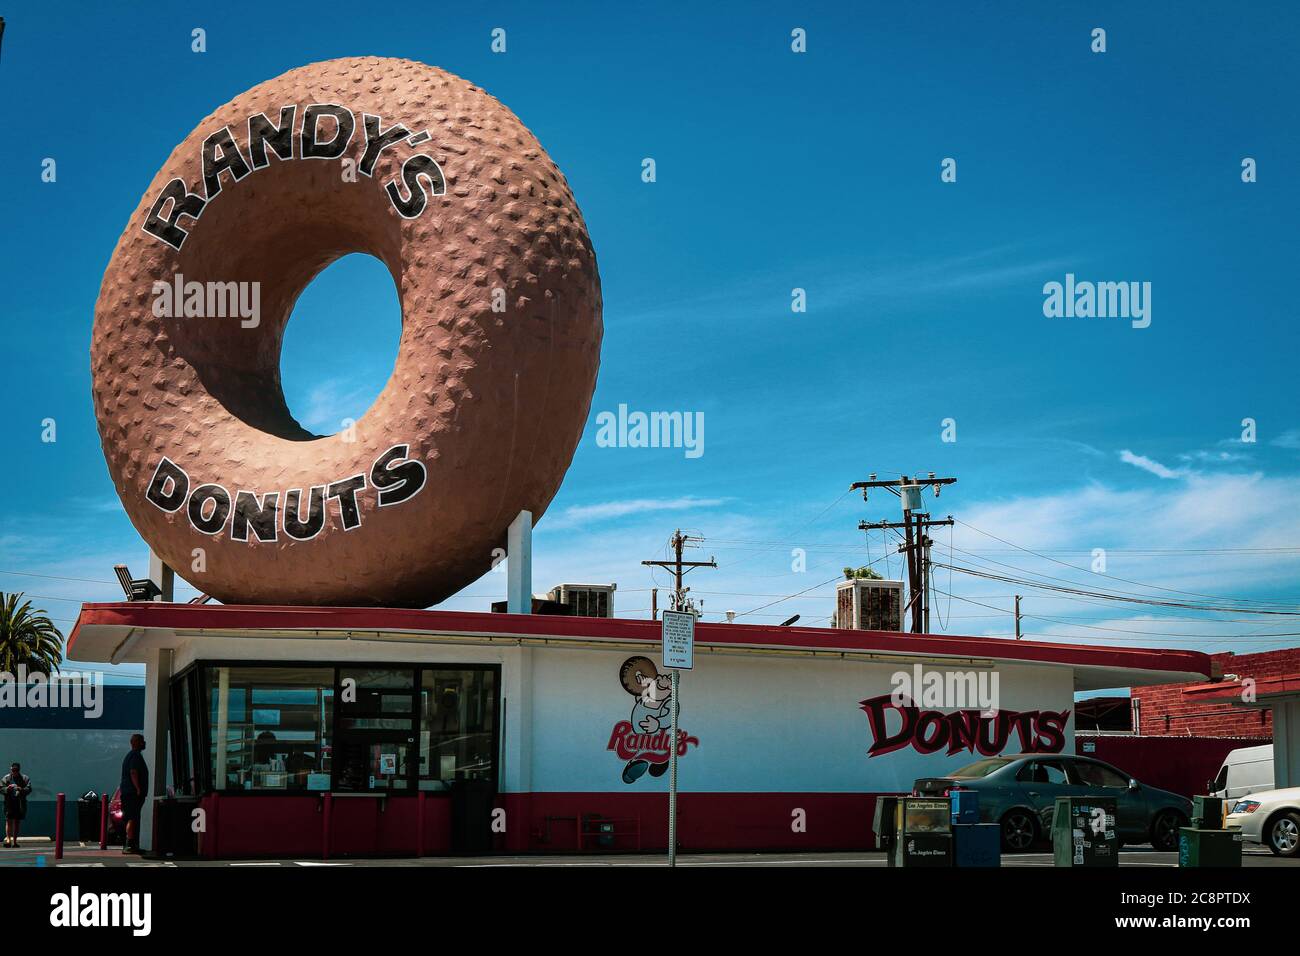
column 324, row 732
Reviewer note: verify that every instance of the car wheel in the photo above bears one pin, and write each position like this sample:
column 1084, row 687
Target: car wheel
column 1283, row 834
column 1019, row 831
column 1164, row 829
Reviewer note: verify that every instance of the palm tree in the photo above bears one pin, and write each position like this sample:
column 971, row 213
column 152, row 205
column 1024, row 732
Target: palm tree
column 27, row 637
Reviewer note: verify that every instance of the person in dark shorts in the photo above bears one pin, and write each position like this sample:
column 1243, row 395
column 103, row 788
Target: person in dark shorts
column 16, row 786
column 135, row 790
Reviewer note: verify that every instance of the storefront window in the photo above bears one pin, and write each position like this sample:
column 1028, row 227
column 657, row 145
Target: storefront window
column 270, row 727
column 457, row 726
column 367, row 729
column 376, row 732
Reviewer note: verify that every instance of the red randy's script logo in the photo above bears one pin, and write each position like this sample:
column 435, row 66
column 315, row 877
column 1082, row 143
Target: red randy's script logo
column 652, row 748
column 929, row 731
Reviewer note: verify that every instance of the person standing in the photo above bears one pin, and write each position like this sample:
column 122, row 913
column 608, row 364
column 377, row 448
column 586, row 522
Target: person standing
column 135, row 791
column 16, row 785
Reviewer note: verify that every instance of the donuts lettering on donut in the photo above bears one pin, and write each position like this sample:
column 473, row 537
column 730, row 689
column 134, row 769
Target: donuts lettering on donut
column 421, row 176
column 394, row 477
column 495, row 369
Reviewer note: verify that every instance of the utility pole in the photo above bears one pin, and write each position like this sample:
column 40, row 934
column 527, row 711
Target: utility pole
column 916, row 542
column 680, row 569
column 1017, row 617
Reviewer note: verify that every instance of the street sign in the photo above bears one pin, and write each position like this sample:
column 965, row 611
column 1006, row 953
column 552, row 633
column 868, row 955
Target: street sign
column 678, row 639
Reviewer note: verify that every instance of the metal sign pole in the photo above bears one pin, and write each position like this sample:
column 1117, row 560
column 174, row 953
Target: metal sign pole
column 672, row 781
column 678, row 652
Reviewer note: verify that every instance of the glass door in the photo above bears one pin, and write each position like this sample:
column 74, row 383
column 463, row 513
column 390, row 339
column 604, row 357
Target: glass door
column 458, row 715
column 375, row 737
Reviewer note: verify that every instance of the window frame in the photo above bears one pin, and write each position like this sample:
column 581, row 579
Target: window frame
column 200, row 735
column 189, row 680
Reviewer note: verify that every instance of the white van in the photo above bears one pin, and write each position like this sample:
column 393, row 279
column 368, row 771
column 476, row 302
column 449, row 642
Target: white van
column 1245, row 770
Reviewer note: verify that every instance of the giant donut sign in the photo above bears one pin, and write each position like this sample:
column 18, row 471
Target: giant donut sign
column 500, row 345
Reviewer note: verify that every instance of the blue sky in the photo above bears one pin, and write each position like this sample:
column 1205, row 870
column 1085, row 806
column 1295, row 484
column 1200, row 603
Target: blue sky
column 775, row 171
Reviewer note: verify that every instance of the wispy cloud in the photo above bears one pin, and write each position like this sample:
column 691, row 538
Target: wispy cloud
column 1290, row 440
column 579, row 515
column 109, row 504
column 1151, row 465
column 849, row 283
column 1205, row 457
column 333, row 400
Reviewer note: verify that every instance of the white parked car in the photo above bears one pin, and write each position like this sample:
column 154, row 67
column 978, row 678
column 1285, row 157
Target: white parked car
column 1270, row 817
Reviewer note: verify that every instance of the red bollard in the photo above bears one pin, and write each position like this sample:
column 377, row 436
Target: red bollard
column 103, row 820
column 214, row 827
column 419, row 823
column 58, row 826
column 326, row 806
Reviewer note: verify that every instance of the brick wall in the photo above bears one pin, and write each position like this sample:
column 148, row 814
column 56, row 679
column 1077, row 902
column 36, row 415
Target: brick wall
column 1167, row 710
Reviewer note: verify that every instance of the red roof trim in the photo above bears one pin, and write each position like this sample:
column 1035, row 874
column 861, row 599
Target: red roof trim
column 251, row 617
column 1264, row 687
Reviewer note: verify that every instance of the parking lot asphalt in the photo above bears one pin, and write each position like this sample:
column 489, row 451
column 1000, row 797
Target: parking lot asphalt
column 77, row 855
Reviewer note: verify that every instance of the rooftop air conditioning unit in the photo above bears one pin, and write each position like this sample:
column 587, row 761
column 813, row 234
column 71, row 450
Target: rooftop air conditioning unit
column 586, row 600
column 869, row 604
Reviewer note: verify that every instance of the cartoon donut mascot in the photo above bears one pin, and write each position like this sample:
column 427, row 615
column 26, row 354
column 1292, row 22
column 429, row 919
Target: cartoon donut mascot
column 652, row 712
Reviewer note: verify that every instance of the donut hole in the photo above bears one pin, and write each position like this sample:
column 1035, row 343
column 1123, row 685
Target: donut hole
column 276, row 236
column 340, row 344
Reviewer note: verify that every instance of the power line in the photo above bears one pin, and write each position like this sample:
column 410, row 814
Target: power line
column 1100, row 599
column 1199, row 638
column 1154, row 587
column 779, row 544
column 1114, row 597
column 758, row 544
column 788, row 597
column 55, row 577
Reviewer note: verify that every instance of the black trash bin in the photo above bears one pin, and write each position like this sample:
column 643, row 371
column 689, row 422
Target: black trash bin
column 173, row 834
column 88, row 817
column 471, row 816
column 885, row 827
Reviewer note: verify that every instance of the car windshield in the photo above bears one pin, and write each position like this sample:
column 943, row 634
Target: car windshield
column 981, row 768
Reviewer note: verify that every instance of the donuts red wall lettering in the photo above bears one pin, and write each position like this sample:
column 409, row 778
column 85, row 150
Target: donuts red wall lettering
column 500, row 345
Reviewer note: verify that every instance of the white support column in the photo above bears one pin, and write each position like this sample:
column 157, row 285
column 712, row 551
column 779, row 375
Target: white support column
column 519, row 570
column 157, row 710
column 517, row 676
column 1286, row 744
column 222, row 732
column 162, row 576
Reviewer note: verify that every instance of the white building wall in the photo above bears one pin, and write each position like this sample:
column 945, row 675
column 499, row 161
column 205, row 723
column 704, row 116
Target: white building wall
column 764, row 723
column 1286, row 744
